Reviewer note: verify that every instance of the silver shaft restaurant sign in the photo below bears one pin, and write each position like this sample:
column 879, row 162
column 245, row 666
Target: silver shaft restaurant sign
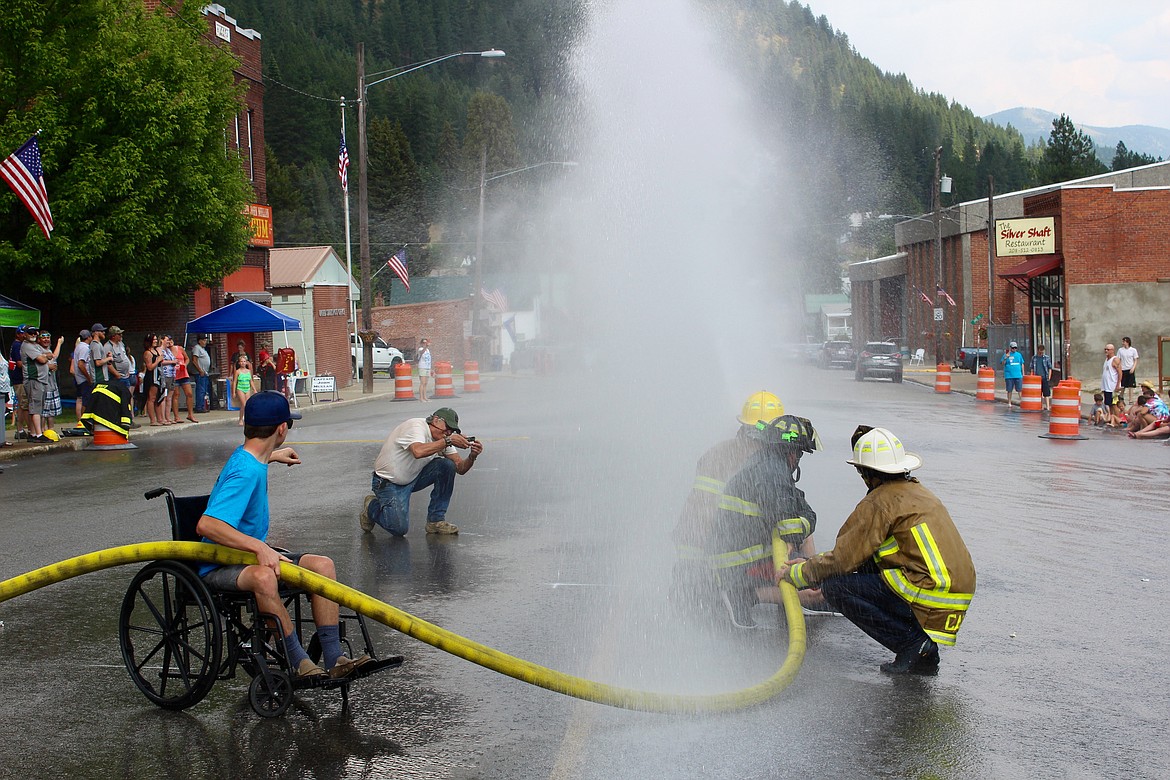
column 1015, row 237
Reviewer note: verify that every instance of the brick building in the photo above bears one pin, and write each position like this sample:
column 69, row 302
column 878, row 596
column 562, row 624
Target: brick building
column 1102, row 272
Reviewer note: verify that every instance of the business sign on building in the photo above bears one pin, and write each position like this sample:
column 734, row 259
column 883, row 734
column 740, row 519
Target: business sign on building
column 261, row 220
column 1034, row 236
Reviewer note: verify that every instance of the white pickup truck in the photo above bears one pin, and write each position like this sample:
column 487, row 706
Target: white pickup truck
column 386, row 357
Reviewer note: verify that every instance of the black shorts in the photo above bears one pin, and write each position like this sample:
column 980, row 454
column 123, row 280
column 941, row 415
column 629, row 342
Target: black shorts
column 224, row 577
column 1128, row 379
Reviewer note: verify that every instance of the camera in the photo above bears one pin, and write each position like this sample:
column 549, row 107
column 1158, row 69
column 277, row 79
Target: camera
column 470, row 439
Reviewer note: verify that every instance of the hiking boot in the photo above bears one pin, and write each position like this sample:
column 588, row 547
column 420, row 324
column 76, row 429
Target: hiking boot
column 306, row 669
column 345, row 667
column 442, row 527
column 364, row 518
column 920, row 659
column 739, row 611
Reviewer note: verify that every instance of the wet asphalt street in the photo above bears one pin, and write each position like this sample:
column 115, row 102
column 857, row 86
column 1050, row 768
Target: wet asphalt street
column 564, row 560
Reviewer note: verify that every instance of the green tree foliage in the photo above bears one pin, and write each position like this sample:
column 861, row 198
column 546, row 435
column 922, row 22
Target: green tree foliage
column 132, row 107
column 1123, row 158
column 398, row 208
column 1069, row 154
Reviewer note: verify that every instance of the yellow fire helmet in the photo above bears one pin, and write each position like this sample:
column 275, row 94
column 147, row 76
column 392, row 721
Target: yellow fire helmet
column 761, row 407
column 52, row 435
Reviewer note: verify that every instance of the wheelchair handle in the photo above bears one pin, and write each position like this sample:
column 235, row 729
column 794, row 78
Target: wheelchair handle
column 156, row 493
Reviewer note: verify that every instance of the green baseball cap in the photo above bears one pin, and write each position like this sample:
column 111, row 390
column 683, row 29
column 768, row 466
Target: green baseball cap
column 448, row 416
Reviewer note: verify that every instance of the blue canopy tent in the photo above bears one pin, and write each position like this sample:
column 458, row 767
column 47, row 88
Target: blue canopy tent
column 245, row 316
column 14, row 313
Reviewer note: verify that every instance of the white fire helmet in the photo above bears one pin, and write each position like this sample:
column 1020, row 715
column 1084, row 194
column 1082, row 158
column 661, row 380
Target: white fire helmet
column 880, row 450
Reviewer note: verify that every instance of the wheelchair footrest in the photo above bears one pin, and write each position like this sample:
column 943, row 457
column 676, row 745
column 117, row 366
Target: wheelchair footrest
column 328, row 683
column 390, row 662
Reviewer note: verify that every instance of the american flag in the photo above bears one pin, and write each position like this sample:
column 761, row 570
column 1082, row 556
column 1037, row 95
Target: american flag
column 24, row 174
column 924, row 296
column 343, row 166
column 496, row 298
column 397, row 263
column 944, row 294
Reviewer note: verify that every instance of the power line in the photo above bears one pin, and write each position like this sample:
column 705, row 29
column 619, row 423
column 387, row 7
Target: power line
column 270, row 78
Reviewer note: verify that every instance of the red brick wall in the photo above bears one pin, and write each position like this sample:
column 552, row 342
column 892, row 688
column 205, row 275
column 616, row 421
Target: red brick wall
column 1114, row 237
column 440, row 321
column 331, row 334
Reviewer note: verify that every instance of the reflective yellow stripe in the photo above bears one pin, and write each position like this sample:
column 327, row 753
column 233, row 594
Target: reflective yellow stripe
column 939, row 599
column 796, row 575
column 708, row 485
column 741, row 557
column 889, row 547
column 942, row 637
column 739, row 506
column 794, row 526
column 119, row 427
column 104, row 390
column 933, row 558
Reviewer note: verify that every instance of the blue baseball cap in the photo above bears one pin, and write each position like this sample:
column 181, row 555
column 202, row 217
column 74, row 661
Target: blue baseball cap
column 268, row 408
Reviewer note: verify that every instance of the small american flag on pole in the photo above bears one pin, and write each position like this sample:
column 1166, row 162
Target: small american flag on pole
column 944, row 294
column 496, row 299
column 24, row 174
column 397, row 263
column 924, row 296
column 343, row 165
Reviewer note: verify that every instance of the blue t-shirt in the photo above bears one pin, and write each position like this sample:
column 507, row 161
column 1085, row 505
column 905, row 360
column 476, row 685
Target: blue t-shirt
column 240, row 498
column 1013, row 365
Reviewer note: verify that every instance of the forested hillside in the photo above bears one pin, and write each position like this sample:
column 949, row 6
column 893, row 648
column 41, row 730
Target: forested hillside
column 860, row 140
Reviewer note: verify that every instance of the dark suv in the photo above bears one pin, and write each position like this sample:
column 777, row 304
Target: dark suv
column 879, row 358
column 837, row 353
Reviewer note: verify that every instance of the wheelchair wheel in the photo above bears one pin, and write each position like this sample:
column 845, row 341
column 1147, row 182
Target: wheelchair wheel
column 270, row 702
column 170, row 636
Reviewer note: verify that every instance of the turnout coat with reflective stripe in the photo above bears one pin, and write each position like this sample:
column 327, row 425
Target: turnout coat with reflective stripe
column 701, row 510
column 761, row 496
column 909, row 534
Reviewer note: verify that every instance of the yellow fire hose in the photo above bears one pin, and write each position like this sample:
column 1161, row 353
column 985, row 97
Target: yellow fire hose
column 435, row 636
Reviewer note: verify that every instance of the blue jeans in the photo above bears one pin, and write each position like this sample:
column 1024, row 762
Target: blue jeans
column 202, row 387
column 869, row 603
column 391, row 510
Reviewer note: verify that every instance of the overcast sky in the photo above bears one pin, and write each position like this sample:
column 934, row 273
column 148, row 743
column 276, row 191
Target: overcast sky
column 1103, row 64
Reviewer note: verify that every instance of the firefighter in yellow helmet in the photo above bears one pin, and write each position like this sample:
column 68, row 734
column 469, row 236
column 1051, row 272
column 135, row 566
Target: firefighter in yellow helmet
column 693, row 583
column 899, row 569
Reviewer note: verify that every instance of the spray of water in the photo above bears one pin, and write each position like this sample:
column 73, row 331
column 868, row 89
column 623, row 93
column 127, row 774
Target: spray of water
column 681, row 300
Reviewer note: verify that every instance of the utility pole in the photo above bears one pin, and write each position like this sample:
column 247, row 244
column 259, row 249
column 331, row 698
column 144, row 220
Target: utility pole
column 367, row 337
column 990, row 249
column 476, row 296
column 938, row 273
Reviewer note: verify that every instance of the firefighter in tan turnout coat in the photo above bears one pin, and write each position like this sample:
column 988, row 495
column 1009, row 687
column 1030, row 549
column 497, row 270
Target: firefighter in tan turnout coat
column 899, row 569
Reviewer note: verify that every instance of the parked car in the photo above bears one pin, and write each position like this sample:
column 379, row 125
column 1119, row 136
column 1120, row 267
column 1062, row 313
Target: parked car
column 879, row 358
column 837, row 353
column 971, row 358
column 386, row 357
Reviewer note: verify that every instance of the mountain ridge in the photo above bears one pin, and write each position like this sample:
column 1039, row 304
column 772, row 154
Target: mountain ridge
column 1035, row 124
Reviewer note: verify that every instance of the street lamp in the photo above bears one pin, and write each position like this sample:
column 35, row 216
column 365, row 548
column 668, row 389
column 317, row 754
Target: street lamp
column 484, row 178
column 367, row 334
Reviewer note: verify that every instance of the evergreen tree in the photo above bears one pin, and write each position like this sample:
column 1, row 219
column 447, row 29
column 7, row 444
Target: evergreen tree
column 1070, row 154
column 1123, row 158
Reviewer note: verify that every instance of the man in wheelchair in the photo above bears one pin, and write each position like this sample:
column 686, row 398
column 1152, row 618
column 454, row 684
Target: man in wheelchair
column 237, row 517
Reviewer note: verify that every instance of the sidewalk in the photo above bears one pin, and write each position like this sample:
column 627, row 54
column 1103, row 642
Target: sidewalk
column 383, row 390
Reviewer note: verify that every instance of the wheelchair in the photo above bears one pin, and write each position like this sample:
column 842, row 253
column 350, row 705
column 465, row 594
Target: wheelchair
column 178, row 636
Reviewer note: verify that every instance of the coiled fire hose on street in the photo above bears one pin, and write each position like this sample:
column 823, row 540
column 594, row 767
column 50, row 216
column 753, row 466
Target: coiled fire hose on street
column 467, row 649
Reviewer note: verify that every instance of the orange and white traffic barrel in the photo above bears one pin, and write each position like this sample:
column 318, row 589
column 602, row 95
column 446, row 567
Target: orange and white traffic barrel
column 403, row 384
column 942, row 378
column 1065, row 422
column 471, row 376
column 107, row 439
column 444, row 386
column 1030, row 396
column 985, row 390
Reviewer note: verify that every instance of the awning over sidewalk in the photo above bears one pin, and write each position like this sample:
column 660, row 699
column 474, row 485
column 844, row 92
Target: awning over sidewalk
column 1020, row 275
column 243, row 316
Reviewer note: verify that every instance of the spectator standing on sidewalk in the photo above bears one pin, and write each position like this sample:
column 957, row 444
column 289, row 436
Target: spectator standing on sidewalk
column 169, row 402
column 52, row 403
column 5, row 395
column 201, row 363
column 424, row 369
column 36, row 361
column 1013, row 371
column 122, row 365
column 1041, row 366
column 82, row 379
column 184, row 384
column 419, row 453
column 1129, row 360
column 16, row 379
column 1111, row 382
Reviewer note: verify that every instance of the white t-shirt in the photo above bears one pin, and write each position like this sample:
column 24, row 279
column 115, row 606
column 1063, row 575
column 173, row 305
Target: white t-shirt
column 424, row 359
column 395, row 462
column 1128, row 357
